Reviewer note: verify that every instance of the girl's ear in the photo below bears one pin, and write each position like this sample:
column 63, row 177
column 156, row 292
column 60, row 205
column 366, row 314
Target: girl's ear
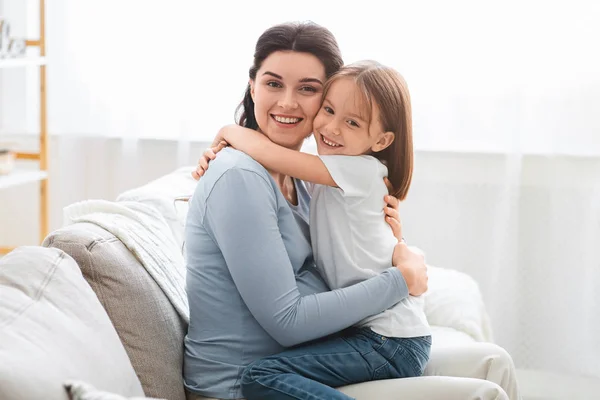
column 251, row 83
column 384, row 141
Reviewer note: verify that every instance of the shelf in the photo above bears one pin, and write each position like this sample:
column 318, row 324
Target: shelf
column 22, row 62
column 5, row 250
column 24, row 175
column 17, row 177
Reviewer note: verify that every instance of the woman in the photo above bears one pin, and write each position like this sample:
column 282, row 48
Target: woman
column 251, row 282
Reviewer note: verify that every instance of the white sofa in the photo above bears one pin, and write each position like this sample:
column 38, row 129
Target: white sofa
column 64, row 308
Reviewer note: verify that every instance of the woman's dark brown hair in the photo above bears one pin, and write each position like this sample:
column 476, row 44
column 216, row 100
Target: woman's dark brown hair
column 303, row 37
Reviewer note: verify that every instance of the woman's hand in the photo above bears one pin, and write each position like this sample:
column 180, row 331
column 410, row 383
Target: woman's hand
column 411, row 264
column 208, row 156
column 409, row 261
column 392, row 217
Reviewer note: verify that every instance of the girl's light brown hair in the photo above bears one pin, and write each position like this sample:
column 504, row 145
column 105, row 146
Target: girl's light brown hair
column 386, row 88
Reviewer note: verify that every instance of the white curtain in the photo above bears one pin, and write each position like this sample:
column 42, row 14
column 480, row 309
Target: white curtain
column 510, row 76
column 506, row 100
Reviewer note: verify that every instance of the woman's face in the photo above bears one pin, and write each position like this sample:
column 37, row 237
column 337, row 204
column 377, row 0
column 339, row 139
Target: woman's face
column 287, row 96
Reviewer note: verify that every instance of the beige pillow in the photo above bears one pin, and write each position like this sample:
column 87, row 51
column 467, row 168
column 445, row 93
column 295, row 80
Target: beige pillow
column 146, row 322
column 79, row 390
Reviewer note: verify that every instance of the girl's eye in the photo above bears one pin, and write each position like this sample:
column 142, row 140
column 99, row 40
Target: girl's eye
column 308, row 89
column 274, row 84
column 328, row 110
column 353, row 123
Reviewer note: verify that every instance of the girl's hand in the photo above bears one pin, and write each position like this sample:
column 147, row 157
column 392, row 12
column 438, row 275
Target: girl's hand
column 411, row 264
column 208, row 156
column 392, row 217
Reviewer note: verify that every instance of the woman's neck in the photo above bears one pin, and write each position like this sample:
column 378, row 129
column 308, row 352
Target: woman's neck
column 286, row 185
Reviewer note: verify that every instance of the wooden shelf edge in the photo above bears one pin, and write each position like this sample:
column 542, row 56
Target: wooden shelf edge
column 21, row 177
column 22, row 62
column 6, row 250
column 28, row 156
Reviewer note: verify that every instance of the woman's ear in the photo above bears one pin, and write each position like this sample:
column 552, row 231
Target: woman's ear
column 384, row 141
column 251, row 83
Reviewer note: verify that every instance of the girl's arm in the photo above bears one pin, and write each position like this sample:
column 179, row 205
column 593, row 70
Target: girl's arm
column 249, row 239
column 306, row 167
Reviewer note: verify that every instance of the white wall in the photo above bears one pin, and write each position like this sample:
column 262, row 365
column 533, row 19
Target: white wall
column 84, row 168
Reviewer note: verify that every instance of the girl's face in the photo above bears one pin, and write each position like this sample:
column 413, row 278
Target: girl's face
column 343, row 126
column 287, row 95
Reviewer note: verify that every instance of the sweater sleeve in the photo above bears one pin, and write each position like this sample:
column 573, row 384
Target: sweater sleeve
column 241, row 217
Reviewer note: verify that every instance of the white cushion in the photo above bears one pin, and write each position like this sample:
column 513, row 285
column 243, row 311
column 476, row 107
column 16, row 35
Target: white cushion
column 53, row 329
column 455, row 301
column 79, row 390
column 442, row 336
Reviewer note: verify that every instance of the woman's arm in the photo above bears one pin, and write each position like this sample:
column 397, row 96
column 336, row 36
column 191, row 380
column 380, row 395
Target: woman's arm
column 306, row 167
column 247, row 233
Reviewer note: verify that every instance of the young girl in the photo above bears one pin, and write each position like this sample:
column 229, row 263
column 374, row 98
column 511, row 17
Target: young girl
column 363, row 133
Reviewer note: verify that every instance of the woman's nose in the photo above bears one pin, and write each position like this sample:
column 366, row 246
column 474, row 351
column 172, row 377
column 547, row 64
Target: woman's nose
column 288, row 101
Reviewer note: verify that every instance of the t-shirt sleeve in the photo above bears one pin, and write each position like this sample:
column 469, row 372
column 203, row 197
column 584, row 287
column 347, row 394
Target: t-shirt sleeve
column 354, row 175
column 241, row 217
column 310, row 187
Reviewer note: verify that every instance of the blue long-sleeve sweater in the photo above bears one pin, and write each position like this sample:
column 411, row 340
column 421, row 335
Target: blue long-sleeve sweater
column 251, row 280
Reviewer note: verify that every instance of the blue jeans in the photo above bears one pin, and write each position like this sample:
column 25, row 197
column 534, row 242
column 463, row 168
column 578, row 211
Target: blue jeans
column 310, row 371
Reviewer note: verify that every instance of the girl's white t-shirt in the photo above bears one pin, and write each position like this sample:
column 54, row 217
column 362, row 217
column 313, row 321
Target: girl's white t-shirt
column 352, row 242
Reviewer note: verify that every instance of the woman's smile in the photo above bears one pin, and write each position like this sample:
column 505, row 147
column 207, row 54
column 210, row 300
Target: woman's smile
column 286, row 121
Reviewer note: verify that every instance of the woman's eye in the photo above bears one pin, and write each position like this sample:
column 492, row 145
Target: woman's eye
column 309, row 89
column 274, row 84
column 328, row 110
column 353, row 123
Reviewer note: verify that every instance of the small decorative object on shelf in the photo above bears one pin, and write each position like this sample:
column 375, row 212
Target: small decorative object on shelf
column 10, row 47
column 7, row 161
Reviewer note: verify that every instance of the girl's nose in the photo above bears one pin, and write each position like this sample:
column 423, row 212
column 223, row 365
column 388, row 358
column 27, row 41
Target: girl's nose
column 332, row 128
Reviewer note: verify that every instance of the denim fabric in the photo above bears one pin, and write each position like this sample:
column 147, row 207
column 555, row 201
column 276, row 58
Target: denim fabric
column 310, row 371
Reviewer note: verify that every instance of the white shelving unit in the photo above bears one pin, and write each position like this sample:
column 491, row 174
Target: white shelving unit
column 19, row 176
column 22, row 62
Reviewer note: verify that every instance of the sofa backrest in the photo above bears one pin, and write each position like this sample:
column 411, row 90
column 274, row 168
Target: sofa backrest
column 54, row 329
column 150, row 329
